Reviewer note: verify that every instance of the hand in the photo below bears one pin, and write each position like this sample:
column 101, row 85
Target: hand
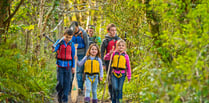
column 111, row 51
column 100, row 78
column 52, row 48
column 76, row 57
column 73, row 70
column 104, row 67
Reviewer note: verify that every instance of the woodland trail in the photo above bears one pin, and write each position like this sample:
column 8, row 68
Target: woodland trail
column 81, row 100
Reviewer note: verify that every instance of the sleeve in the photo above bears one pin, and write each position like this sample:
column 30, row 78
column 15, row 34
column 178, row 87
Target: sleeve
column 73, row 54
column 103, row 51
column 57, row 46
column 100, row 68
column 128, row 67
column 86, row 40
column 107, row 56
column 80, row 63
column 99, row 40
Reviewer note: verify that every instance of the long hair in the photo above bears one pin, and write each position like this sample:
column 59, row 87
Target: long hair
column 98, row 53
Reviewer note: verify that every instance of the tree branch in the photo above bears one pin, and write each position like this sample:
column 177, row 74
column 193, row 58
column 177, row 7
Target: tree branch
column 16, row 9
column 47, row 16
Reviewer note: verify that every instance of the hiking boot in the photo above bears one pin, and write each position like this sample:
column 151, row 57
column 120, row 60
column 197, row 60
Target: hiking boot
column 80, row 92
column 87, row 99
column 59, row 99
column 94, row 101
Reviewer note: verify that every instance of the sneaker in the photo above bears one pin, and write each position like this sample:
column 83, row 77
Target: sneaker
column 80, row 92
column 59, row 99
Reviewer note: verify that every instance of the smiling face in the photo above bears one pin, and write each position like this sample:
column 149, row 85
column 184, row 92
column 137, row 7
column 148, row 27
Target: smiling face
column 121, row 47
column 91, row 32
column 112, row 32
column 93, row 51
column 67, row 37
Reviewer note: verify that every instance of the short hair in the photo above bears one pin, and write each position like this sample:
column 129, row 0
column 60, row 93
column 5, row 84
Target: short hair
column 68, row 32
column 110, row 26
column 76, row 23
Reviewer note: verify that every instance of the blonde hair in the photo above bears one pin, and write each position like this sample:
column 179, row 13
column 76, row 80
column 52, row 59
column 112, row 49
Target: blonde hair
column 88, row 51
column 120, row 41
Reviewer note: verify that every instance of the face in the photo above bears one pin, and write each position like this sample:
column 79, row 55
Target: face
column 93, row 51
column 68, row 37
column 91, row 32
column 112, row 32
column 76, row 29
column 121, row 47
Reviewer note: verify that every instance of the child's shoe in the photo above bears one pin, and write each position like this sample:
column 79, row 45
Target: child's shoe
column 94, row 101
column 87, row 99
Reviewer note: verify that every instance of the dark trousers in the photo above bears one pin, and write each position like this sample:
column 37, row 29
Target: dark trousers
column 64, row 78
column 109, row 78
column 79, row 75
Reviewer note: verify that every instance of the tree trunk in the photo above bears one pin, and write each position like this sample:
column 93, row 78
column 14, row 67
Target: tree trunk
column 61, row 17
column 6, row 16
column 154, row 25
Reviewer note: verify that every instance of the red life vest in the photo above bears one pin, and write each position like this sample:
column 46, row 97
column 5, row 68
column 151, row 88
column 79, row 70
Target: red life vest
column 111, row 43
column 64, row 53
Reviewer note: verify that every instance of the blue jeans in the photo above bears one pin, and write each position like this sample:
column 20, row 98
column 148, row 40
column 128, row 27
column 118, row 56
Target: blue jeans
column 90, row 86
column 79, row 75
column 117, row 87
column 64, row 78
column 109, row 78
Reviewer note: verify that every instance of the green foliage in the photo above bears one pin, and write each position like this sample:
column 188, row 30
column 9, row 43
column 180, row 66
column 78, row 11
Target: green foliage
column 183, row 40
column 21, row 81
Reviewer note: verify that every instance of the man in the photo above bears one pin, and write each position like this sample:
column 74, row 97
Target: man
column 80, row 37
column 93, row 38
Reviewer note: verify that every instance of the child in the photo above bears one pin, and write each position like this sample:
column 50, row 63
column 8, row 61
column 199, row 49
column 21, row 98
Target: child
column 110, row 40
column 92, row 69
column 121, row 66
column 65, row 63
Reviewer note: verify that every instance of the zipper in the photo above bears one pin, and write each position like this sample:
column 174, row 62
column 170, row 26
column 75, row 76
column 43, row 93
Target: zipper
column 91, row 65
column 118, row 61
column 65, row 53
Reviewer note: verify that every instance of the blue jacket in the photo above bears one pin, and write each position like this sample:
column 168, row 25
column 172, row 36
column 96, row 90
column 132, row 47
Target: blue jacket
column 62, row 63
column 83, row 43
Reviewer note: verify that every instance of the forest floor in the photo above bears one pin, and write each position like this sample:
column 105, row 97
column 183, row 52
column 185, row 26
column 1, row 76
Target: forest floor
column 80, row 99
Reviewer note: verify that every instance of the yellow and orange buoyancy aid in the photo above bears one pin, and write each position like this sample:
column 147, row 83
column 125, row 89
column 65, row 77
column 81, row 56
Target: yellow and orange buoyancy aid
column 91, row 66
column 119, row 61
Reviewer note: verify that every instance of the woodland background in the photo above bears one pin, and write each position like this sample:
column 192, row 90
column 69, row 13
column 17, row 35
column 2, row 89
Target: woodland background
column 167, row 40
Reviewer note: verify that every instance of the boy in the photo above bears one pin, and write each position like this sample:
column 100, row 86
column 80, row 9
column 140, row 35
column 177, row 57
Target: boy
column 65, row 65
column 107, row 45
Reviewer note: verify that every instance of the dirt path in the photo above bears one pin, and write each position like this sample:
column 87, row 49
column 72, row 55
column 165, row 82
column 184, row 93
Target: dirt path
column 80, row 99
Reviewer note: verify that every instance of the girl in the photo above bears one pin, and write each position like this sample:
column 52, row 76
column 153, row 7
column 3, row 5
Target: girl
column 120, row 67
column 92, row 69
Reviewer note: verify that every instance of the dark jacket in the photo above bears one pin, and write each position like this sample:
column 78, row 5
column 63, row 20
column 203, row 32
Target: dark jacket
column 105, row 44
